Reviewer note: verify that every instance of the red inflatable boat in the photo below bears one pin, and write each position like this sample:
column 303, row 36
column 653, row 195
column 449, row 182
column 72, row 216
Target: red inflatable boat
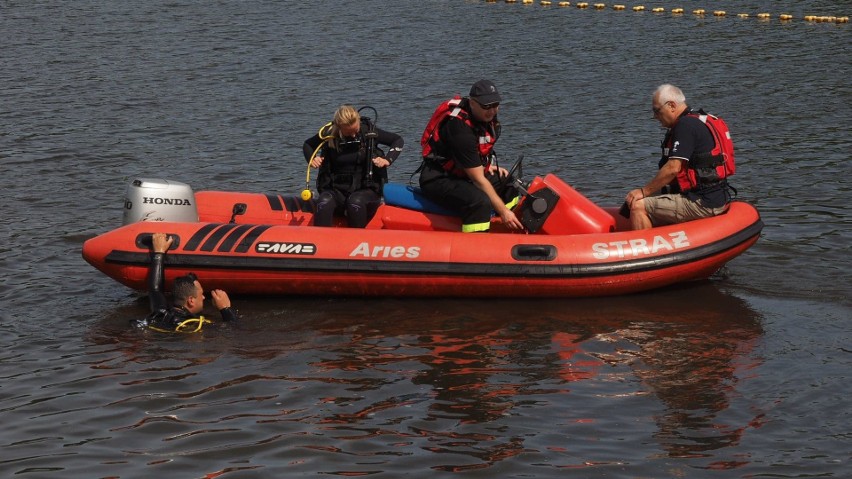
column 256, row 243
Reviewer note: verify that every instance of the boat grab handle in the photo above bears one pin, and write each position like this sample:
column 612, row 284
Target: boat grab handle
column 534, row 252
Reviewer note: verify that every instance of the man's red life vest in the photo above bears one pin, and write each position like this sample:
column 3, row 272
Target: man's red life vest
column 708, row 169
column 431, row 139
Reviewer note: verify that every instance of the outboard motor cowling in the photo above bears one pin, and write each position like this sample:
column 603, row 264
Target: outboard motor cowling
column 156, row 199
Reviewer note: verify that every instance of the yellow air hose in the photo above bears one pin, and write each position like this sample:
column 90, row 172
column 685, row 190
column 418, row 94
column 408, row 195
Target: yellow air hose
column 185, row 326
column 306, row 193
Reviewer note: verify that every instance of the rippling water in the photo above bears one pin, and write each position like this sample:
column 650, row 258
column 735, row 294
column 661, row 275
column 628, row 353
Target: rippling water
column 745, row 375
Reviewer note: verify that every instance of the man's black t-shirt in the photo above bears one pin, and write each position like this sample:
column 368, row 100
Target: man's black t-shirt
column 691, row 136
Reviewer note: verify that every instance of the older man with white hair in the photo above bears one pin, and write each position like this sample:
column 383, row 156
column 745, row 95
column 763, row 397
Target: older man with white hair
column 697, row 159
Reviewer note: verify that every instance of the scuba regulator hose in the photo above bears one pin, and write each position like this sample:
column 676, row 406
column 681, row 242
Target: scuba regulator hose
column 306, row 193
column 191, row 325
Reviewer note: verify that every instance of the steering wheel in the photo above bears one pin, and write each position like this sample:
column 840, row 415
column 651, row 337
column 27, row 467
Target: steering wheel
column 538, row 204
column 516, row 171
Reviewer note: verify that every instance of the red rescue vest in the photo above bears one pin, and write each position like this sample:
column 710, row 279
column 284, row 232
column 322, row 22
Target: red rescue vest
column 431, row 139
column 707, row 169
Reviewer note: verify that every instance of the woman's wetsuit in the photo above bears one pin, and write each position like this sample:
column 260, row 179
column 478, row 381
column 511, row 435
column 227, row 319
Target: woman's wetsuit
column 345, row 182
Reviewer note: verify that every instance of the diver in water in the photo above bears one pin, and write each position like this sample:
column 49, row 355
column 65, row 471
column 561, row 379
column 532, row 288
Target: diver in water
column 183, row 314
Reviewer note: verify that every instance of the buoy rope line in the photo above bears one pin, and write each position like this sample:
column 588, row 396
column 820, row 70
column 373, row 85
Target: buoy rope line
column 698, row 12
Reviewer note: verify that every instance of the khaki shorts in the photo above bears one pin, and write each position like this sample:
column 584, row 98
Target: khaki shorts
column 676, row 208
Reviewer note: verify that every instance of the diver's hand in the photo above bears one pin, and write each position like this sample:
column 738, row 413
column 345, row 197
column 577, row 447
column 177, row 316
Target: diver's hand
column 380, row 162
column 220, row 299
column 161, row 242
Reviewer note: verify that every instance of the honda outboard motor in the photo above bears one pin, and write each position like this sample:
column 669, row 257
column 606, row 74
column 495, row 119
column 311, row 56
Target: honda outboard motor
column 155, row 199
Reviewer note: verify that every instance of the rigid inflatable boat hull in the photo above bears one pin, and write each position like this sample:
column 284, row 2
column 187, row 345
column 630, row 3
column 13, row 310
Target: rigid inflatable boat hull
column 289, row 258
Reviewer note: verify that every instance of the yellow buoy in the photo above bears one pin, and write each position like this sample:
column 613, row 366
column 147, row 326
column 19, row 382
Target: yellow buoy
column 810, row 18
column 677, row 11
column 545, row 2
column 564, row 4
column 583, row 5
column 527, row 2
column 658, row 9
column 719, row 13
column 785, row 17
column 763, row 16
column 600, row 6
column 638, row 8
column 618, row 7
column 699, row 11
column 306, row 195
column 842, row 19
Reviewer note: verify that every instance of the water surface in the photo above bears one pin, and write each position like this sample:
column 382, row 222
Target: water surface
column 745, row 375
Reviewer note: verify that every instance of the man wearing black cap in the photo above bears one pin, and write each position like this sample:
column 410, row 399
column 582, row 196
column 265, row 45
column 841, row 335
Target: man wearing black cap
column 458, row 172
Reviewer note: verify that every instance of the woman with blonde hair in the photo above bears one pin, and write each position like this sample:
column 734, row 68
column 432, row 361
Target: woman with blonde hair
column 352, row 168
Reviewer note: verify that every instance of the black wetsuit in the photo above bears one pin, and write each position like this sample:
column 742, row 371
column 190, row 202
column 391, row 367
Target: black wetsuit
column 164, row 315
column 344, row 181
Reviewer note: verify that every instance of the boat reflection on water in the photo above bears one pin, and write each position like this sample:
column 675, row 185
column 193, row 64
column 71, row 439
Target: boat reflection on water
column 483, row 381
